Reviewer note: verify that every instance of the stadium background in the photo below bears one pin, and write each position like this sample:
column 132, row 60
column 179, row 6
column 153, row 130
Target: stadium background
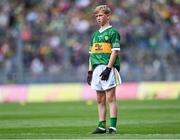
column 46, row 42
column 44, row 58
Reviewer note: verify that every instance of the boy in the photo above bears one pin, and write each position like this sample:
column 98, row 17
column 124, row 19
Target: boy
column 104, row 64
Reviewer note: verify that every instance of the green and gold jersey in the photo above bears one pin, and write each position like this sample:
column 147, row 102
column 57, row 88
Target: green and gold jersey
column 102, row 44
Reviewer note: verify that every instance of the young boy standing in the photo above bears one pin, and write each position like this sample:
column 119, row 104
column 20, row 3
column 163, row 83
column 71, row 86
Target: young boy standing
column 104, row 64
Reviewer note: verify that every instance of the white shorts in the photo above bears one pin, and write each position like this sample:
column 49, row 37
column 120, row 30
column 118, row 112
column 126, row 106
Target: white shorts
column 101, row 85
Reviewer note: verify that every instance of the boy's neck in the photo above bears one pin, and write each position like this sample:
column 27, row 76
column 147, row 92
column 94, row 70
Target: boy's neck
column 104, row 27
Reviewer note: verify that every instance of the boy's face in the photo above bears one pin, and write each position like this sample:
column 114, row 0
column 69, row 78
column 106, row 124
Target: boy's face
column 102, row 18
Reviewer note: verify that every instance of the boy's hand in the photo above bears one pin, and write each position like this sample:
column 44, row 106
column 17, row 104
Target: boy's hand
column 105, row 74
column 89, row 77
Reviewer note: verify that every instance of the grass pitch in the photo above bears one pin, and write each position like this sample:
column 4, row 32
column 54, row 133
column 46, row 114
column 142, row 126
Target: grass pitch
column 150, row 119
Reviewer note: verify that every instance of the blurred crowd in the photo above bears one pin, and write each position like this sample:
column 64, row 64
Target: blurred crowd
column 52, row 37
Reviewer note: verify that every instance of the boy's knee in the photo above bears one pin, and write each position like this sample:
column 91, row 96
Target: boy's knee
column 101, row 100
column 110, row 99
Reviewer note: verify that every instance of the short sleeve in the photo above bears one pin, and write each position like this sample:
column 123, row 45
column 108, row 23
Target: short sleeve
column 91, row 43
column 115, row 41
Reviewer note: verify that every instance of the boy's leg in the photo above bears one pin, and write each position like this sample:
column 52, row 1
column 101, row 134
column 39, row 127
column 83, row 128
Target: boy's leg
column 111, row 98
column 101, row 100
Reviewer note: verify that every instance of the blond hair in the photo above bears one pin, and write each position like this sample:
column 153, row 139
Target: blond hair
column 102, row 8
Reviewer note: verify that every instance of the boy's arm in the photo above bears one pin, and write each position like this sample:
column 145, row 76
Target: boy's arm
column 105, row 74
column 115, row 40
column 90, row 69
column 112, row 59
column 90, row 65
column 90, row 72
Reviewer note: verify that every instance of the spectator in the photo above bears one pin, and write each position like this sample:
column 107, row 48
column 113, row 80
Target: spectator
column 58, row 31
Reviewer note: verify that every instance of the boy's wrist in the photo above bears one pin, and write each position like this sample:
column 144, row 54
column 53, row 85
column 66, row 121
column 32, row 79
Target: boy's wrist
column 90, row 72
column 109, row 68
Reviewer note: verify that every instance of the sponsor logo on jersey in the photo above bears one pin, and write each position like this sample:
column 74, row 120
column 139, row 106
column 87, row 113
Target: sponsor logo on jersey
column 101, row 48
column 98, row 47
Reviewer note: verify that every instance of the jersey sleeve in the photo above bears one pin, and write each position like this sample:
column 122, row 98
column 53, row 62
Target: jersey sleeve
column 115, row 41
column 91, row 43
column 90, row 46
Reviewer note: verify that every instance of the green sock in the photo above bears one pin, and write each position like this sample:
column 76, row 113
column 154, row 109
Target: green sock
column 102, row 124
column 113, row 122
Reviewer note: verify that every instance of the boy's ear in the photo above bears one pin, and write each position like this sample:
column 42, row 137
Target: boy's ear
column 109, row 16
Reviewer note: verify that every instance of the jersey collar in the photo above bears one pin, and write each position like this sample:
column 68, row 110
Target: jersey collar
column 103, row 29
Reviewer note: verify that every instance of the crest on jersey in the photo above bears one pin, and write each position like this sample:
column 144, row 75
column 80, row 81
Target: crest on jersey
column 106, row 38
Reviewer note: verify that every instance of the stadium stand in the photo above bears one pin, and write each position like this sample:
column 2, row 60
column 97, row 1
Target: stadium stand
column 43, row 41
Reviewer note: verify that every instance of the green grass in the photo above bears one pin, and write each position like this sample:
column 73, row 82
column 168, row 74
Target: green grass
column 75, row 120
